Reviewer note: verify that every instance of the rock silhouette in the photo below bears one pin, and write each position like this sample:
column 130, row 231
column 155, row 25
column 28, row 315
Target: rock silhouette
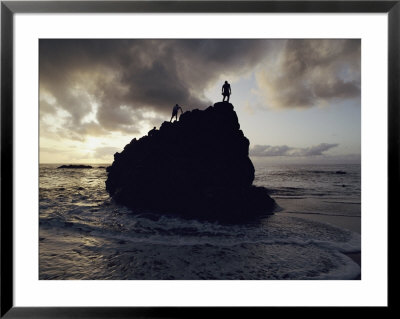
column 197, row 167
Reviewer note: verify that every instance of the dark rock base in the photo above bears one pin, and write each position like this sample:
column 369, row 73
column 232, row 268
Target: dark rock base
column 197, row 167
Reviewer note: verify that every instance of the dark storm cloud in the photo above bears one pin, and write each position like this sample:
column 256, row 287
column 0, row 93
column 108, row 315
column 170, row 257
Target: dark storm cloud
column 313, row 72
column 284, row 150
column 101, row 86
column 130, row 82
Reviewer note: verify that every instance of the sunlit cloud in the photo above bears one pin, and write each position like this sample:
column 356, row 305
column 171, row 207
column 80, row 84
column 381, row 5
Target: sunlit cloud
column 105, row 152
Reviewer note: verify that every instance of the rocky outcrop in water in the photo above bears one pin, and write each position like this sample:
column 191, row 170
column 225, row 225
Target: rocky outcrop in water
column 197, row 167
column 75, row 166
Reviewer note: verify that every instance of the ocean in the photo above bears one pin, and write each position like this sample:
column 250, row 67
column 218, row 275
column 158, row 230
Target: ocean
column 83, row 234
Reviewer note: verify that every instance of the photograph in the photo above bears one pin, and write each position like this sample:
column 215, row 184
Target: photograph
column 199, row 159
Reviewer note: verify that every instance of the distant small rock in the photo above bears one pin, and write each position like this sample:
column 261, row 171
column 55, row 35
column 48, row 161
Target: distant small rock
column 75, row 166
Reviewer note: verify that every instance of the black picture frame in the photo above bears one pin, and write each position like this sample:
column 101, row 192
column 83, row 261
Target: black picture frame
column 9, row 8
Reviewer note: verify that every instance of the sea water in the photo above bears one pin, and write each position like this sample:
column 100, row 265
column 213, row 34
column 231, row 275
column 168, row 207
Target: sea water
column 83, row 234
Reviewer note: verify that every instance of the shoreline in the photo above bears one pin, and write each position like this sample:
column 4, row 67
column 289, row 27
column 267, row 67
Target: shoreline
column 352, row 223
column 347, row 222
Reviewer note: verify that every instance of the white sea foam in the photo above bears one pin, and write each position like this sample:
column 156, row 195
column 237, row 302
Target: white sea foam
column 84, row 235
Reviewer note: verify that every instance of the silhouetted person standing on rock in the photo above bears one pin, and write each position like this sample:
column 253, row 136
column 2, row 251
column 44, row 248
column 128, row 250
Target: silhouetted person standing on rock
column 226, row 91
column 175, row 112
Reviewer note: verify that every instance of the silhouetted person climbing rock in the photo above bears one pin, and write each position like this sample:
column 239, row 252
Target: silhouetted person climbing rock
column 175, row 112
column 226, row 91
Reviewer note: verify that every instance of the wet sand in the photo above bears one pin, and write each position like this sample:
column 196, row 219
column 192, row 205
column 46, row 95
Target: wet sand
column 350, row 223
column 346, row 222
column 356, row 257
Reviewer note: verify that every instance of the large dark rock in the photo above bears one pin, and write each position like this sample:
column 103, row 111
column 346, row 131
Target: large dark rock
column 197, row 167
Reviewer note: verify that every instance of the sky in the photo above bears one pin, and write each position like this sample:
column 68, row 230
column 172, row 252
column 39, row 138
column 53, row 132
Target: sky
column 297, row 100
